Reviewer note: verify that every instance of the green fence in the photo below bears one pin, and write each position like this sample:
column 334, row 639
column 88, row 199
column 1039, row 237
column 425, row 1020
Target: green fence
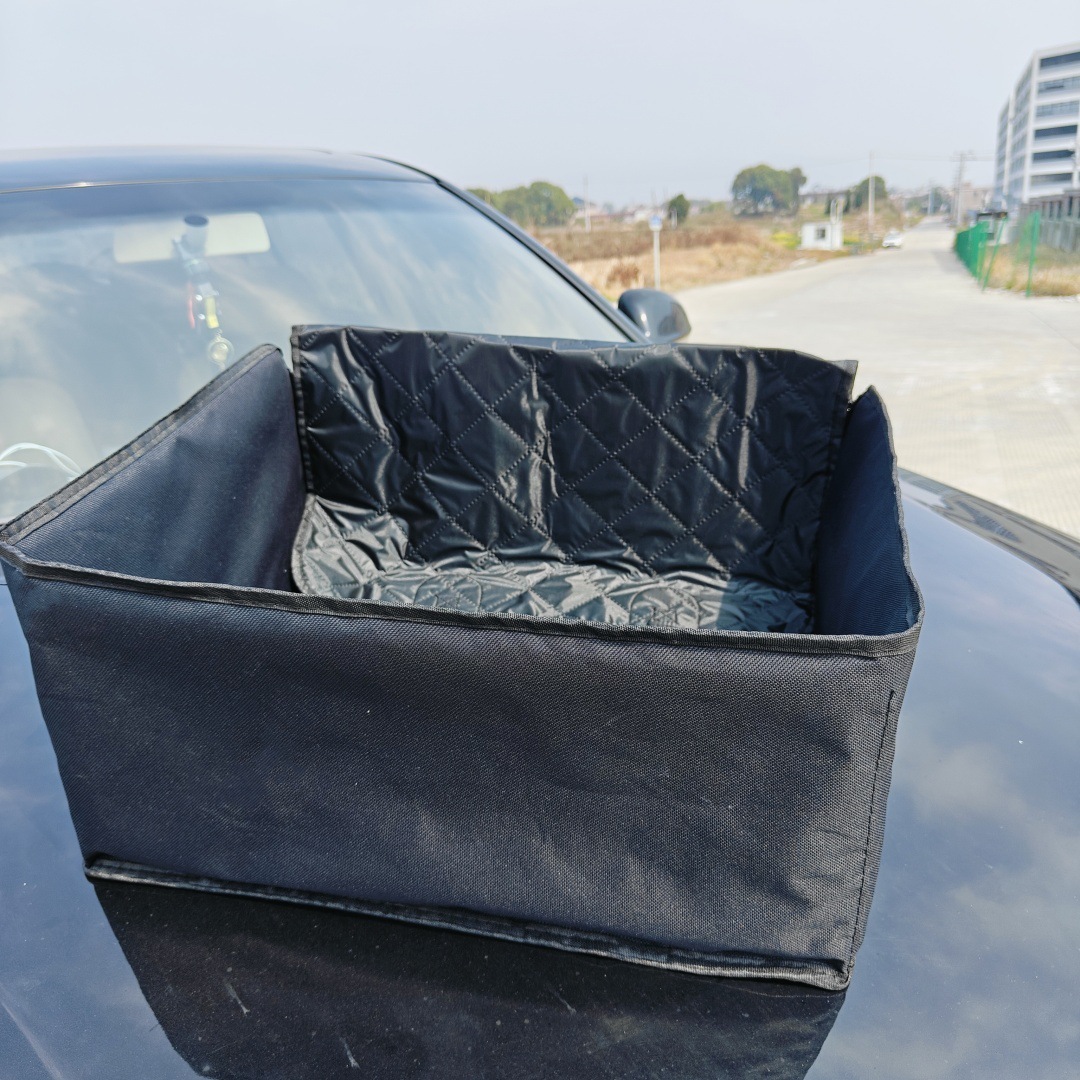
column 1027, row 245
column 1062, row 233
column 970, row 245
column 1030, row 253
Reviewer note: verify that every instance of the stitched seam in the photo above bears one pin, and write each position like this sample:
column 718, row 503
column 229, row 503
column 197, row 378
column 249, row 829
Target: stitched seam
column 346, row 469
column 733, row 497
column 297, row 389
column 776, row 458
column 420, row 475
column 870, row 646
column 767, row 538
column 489, row 487
column 870, row 824
column 449, row 365
column 373, row 358
column 612, row 456
column 530, row 450
column 617, row 373
column 351, row 477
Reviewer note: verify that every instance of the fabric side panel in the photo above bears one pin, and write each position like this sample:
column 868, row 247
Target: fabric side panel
column 705, row 799
column 900, row 669
column 863, row 581
column 216, row 498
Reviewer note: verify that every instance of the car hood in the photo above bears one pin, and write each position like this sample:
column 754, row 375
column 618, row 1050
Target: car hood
column 969, row 966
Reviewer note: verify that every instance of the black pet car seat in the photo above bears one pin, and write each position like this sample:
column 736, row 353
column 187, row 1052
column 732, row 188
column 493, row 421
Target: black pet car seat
column 599, row 647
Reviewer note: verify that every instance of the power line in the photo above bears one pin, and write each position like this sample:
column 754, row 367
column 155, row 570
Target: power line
column 896, row 157
column 870, row 185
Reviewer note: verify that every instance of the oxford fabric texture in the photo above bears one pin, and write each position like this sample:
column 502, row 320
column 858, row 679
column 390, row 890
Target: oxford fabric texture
column 705, row 799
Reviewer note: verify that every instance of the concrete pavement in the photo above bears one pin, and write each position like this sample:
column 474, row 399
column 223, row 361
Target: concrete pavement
column 983, row 388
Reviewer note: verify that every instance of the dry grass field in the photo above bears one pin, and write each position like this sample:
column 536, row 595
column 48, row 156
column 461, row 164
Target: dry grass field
column 614, row 258
column 1056, row 273
column 703, row 251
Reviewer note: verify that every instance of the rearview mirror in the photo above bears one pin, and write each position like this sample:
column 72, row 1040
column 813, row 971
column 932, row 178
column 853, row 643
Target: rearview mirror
column 660, row 316
column 242, row 233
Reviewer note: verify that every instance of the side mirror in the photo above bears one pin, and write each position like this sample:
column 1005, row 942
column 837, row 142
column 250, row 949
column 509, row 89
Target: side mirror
column 661, row 317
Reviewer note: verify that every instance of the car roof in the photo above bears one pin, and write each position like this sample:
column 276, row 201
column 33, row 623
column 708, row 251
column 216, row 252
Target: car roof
column 24, row 170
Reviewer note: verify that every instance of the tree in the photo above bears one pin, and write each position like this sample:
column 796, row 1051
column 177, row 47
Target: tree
column 798, row 178
column 540, row 203
column 761, row 189
column 939, row 203
column 917, row 204
column 680, row 208
column 550, row 204
column 859, row 196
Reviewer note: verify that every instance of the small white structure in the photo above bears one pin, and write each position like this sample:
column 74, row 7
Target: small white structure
column 825, row 235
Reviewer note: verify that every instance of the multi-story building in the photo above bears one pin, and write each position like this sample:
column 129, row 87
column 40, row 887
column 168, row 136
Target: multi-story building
column 1038, row 149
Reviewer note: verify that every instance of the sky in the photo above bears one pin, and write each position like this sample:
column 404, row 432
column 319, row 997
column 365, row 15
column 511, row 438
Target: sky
column 646, row 99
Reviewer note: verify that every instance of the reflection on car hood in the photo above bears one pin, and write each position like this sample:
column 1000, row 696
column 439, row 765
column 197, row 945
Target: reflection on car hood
column 968, row 969
column 262, row 989
column 1051, row 551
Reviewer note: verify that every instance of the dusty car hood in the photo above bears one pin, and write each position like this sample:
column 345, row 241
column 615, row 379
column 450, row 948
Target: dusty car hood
column 969, row 965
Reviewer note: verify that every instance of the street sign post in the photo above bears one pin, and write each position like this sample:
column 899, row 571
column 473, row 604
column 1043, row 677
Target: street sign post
column 656, row 223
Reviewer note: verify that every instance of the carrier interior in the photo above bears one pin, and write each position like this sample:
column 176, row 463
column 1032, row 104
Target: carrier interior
column 676, row 486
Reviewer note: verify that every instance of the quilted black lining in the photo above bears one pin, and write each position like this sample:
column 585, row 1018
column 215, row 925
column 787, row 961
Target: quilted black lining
column 659, row 485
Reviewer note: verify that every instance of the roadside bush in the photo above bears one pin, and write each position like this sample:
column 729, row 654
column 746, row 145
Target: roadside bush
column 625, row 274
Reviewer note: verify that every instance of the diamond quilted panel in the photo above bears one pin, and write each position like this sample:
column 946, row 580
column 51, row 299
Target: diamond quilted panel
column 700, row 419
column 581, row 452
column 583, row 531
column 577, row 384
column 658, row 485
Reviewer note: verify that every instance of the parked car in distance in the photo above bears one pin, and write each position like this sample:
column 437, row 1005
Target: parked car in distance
column 893, row 239
column 126, row 280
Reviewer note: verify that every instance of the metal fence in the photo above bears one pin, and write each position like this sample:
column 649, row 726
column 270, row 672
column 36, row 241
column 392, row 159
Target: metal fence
column 1063, row 234
column 970, row 246
column 1032, row 253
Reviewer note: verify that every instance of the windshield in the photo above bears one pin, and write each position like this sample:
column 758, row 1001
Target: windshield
column 117, row 303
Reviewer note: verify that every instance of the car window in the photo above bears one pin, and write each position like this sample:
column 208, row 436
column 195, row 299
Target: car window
column 118, row 302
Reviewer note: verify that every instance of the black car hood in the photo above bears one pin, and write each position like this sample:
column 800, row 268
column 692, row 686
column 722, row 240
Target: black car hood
column 969, row 967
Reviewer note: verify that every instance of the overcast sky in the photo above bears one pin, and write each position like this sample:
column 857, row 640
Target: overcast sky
column 641, row 96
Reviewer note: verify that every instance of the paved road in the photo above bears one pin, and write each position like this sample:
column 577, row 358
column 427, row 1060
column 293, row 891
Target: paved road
column 983, row 388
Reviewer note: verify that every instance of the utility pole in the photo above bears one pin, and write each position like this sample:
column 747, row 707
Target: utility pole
column 588, row 220
column 962, row 159
column 656, row 223
column 870, row 223
column 929, row 197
